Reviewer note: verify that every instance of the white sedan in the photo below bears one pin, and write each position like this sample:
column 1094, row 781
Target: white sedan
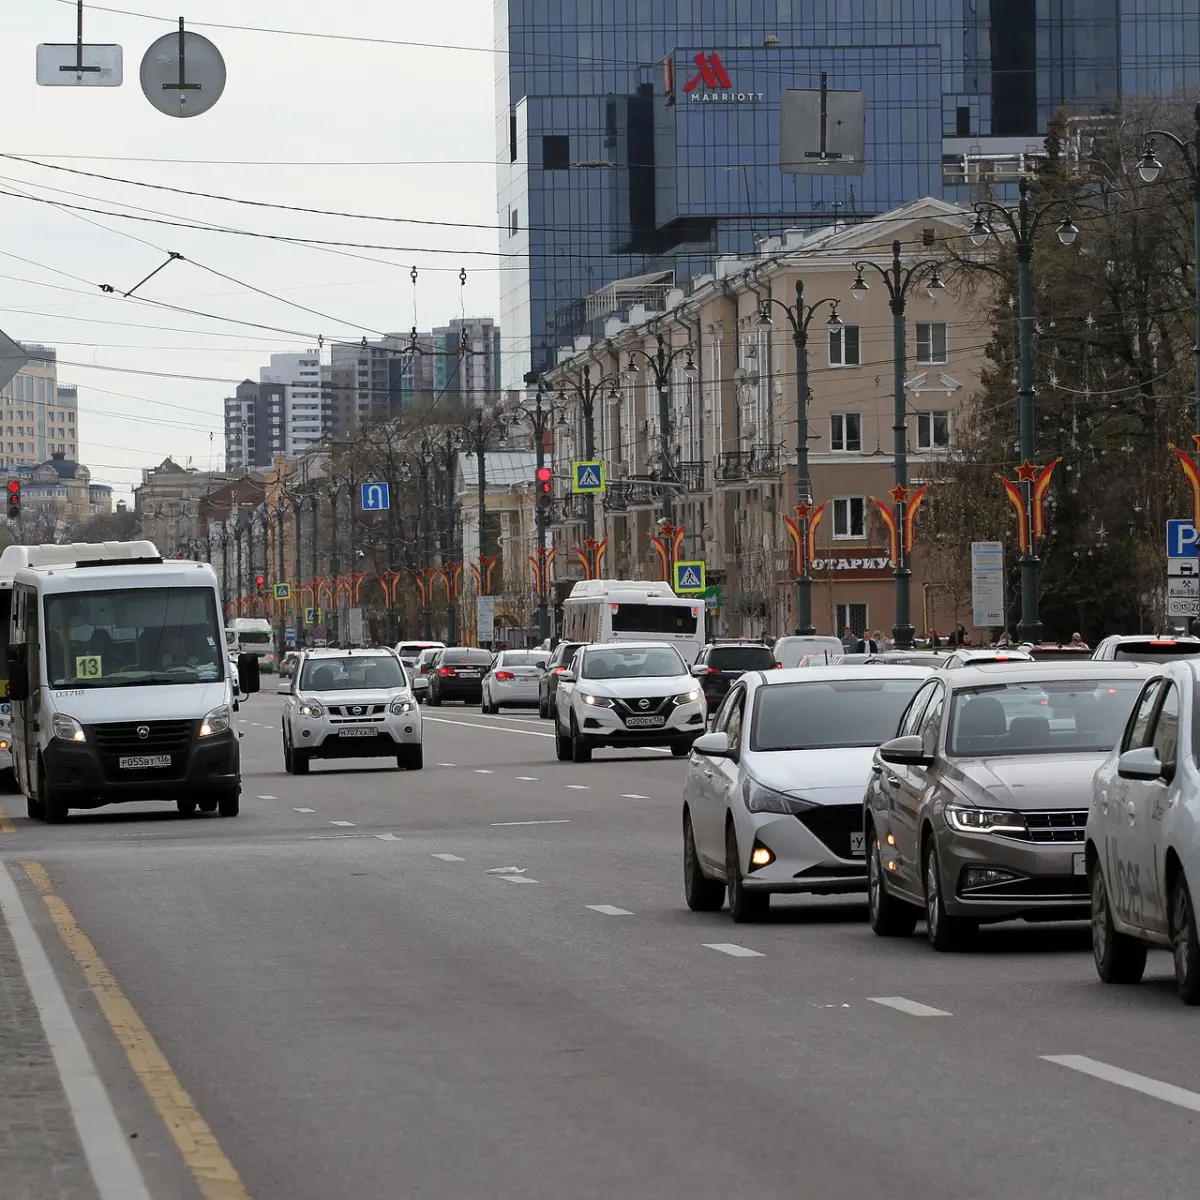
column 773, row 800
column 1143, row 831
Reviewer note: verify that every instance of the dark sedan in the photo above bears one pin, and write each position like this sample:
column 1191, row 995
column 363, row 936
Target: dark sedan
column 560, row 661
column 725, row 661
column 457, row 674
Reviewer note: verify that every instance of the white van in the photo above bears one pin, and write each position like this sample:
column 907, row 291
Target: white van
column 121, row 688
column 253, row 635
column 790, row 650
column 11, row 561
column 612, row 610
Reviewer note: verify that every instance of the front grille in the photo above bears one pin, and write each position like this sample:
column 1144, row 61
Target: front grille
column 162, row 737
column 1063, row 825
column 356, row 710
column 833, row 824
column 1062, row 889
column 633, row 705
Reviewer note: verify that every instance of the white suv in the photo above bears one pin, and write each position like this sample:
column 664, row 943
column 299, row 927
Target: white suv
column 350, row 704
column 627, row 694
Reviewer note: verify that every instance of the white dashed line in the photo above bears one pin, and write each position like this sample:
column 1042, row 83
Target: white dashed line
column 1155, row 1088
column 526, row 778
column 347, row 824
column 634, row 796
column 733, row 950
column 609, row 910
column 900, row 1004
column 482, row 771
column 443, row 764
column 387, row 837
column 268, row 797
column 579, row 787
column 448, row 857
column 304, row 810
column 560, row 821
column 515, row 879
column 493, row 728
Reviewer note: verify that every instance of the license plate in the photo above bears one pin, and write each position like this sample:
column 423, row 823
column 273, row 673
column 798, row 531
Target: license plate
column 858, row 845
column 468, row 674
column 1079, row 864
column 644, row 722
column 366, row 731
column 143, row 762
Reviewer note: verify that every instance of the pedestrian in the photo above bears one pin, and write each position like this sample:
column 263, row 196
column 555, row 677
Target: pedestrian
column 1004, row 640
column 868, row 645
column 1077, row 642
column 880, row 640
column 935, row 642
column 961, row 637
column 849, row 641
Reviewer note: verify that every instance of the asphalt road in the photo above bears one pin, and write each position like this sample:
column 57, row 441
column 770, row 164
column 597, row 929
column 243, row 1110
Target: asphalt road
column 357, row 1008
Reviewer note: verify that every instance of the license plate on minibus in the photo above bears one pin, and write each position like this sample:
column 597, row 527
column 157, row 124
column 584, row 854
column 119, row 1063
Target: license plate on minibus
column 143, row 762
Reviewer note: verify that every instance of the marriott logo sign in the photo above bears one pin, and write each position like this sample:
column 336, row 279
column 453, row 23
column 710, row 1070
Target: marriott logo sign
column 711, row 83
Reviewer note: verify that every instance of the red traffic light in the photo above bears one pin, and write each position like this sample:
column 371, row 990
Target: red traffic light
column 258, row 582
column 14, row 487
column 545, row 480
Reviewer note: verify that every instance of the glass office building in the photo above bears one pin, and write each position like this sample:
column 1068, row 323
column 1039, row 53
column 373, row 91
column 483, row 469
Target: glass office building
column 637, row 140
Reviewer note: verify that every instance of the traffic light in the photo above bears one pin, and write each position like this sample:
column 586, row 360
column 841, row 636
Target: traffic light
column 259, row 582
column 545, row 484
column 14, row 499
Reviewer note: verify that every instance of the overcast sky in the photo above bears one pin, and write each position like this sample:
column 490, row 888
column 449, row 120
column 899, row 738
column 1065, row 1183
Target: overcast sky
column 295, row 111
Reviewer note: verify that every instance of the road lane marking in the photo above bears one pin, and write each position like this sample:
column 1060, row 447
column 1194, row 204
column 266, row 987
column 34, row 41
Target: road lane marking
column 634, row 796
column 579, row 787
column 387, row 837
column 449, row 857
column 609, row 910
column 268, row 797
column 493, row 728
column 304, row 810
column 344, row 824
column 526, row 778
column 900, row 1004
column 216, row 1177
column 482, row 771
column 560, row 821
column 1178, row 1096
column 516, row 879
column 6, row 825
column 733, row 950
column 442, row 764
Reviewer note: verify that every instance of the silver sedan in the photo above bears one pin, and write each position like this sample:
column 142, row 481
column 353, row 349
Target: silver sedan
column 513, row 680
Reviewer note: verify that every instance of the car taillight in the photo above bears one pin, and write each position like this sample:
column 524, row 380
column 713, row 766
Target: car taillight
column 713, row 671
column 559, row 670
column 445, row 670
column 779, row 666
column 505, row 675
column 1162, row 642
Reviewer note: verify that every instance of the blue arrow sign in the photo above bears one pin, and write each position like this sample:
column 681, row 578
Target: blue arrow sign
column 376, row 497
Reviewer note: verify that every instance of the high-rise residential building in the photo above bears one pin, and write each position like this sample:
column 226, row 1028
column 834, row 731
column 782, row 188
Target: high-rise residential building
column 466, row 359
column 284, row 414
column 637, row 142
column 38, row 416
column 372, row 376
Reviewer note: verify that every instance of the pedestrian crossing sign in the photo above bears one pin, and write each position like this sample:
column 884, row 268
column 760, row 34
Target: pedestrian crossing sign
column 312, row 616
column 587, row 476
column 689, row 577
column 283, row 591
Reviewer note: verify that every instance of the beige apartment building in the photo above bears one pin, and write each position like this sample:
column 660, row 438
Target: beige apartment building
column 732, row 398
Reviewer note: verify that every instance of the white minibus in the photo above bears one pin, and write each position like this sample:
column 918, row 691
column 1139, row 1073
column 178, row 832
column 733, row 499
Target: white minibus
column 612, row 610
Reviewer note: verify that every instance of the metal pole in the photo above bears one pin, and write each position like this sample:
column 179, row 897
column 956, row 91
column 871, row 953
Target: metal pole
column 392, row 632
column 335, row 565
column 1195, row 165
column 1029, row 628
column 902, row 630
column 481, row 494
column 664, row 432
column 426, row 548
column 589, row 447
column 448, row 556
column 539, row 435
column 316, row 530
column 237, row 534
column 804, row 621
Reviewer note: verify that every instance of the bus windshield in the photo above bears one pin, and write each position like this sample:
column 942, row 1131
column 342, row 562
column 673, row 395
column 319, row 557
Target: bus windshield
column 654, row 618
column 133, row 637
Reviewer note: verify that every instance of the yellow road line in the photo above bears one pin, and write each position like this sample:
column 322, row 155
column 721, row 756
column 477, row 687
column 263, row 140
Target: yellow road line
column 6, row 826
column 214, row 1174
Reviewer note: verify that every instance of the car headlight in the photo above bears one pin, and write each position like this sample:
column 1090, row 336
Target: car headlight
column 688, row 697
column 759, row 799
column 67, row 728
column 984, row 820
column 310, row 708
column 216, row 721
column 595, row 701
column 401, row 706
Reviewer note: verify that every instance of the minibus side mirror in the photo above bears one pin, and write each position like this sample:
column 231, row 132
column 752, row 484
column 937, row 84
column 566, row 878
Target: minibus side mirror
column 18, row 671
column 248, row 673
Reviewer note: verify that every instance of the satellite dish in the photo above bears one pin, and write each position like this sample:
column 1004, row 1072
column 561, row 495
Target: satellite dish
column 739, row 375
column 183, row 74
column 749, row 429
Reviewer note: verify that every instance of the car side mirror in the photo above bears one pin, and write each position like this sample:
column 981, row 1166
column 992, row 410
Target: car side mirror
column 699, row 672
column 567, row 676
column 285, row 687
column 909, row 749
column 248, row 676
column 712, row 745
column 1142, row 763
column 18, row 671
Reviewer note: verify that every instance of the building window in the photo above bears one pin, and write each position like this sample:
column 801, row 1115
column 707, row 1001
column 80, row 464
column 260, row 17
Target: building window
column 931, row 342
column 853, row 617
column 849, row 517
column 514, row 223
column 845, row 432
column 933, row 430
column 556, row 152
column 843, row 347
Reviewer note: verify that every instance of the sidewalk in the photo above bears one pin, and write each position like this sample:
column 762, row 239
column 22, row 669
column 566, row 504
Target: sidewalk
column 41, row 1157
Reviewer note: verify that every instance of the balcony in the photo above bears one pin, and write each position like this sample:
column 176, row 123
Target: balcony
column 616, row 497
column 570, row 509
column 643, row 492
column 767, row 461
column 691, row 475
column 734, row 466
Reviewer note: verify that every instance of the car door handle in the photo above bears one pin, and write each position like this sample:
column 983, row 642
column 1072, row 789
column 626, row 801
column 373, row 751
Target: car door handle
column 1130, row 811
column 707, row 774
column 892, row 780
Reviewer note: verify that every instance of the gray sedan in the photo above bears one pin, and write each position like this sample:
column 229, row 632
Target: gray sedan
column 976, row 811
column 513, row 680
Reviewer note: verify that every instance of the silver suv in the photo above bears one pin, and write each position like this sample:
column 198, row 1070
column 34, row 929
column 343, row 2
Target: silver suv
column 350, row 704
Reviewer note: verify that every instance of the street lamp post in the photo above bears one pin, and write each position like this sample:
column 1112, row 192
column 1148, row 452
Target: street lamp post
column 1149, row 169
column 540, row 417
column 660, row 364
column 898, row 280
column 799, row 317
column 587, row 392
column 483, row 427
column 1023, row 224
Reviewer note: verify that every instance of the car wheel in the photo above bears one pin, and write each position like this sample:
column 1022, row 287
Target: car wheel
column 702, row 894
column 299, row 762
column 1185, row 943
column 744, row 906
column 187, row 808
column 1119, row 958
column 411, row 758
column 229, row 803
column 562, row 747
column 889, row 917
column 54, row 810
column 543, row 708
column 945, row 932
column 8, row 781
column 34, row 809
column 581, row 752
column 435, row 701
column 287, row 754
column 681, row 749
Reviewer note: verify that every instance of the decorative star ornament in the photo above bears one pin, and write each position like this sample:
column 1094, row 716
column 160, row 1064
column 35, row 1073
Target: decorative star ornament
column 1027, row 472
column 899, row 494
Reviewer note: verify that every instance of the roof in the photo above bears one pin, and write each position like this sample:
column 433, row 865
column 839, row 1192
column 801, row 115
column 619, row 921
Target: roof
column 174, row 572
column 341, row 652
column 854, row 671
column 501, row 468
column 1035, row 672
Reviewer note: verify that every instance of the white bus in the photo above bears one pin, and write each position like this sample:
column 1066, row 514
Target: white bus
column 11, row 561
column 613, row 610
column 253, row 635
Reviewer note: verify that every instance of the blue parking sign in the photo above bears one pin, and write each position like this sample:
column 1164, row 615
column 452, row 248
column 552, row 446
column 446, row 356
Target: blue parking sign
column 1181, row 540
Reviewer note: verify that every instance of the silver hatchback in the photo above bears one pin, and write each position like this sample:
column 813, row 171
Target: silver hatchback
column 513, row 680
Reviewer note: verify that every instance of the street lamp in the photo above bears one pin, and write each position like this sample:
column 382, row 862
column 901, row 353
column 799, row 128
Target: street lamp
column 899, row 280
column 587, row 392
column 1023, row 224
column 1149, row 169
column 484, row 427
column 660, row 364
column 800, row 317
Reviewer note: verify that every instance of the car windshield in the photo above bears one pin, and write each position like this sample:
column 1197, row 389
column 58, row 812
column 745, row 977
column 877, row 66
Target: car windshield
column 1042, row 717
column 654, row 618
column 522, row 658
column 358, row 672
column 741, row 658
column 133, row 637
column 459, row 658
column 829, row 714
column 1157, row 650
column 412, row 649
column 613, row 662
column 254, row 637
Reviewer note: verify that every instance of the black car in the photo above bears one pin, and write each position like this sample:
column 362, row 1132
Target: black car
column 726, row 661
column 560, row 661
column 457, row 674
